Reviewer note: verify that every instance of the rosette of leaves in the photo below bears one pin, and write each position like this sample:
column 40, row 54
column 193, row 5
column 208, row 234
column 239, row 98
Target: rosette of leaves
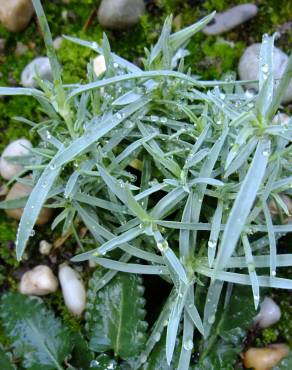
column 166, row 168
column 37, row 337
column 115, row 315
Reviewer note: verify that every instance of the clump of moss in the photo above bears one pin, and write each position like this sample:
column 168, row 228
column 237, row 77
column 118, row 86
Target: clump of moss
column 282, row 331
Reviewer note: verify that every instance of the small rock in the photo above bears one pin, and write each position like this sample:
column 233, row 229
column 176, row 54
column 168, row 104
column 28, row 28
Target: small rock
column 269, row 314
column 233, row 17
column 249, row 67
column 99, row 66
column 120, row 14
column 73, row 289
column 286, row 199
column 19, row 190
column 15, row 15
column 281, row 119
column 264, row 358
column 20, row 49
column 17, row 148
column 45, row 247
column 3, row 190
column 38, row 281
column 40, row 66
column 57, row 42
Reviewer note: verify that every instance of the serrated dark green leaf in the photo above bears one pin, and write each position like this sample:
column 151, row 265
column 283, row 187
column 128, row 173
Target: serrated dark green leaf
column 37, row 336
column 6, row 360
column 81, row 356
column 115, row 315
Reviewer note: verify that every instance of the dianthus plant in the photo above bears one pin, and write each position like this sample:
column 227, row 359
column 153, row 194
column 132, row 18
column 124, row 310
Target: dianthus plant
column 172, row 176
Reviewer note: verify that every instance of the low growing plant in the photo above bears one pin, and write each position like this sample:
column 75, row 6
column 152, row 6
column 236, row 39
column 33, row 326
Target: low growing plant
column 167, row 169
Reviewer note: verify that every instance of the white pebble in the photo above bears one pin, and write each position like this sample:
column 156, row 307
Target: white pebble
column 45, row 247
column 99, row 65
column 248, row 68
column 38, row 281
column 73, row 289
column 57, row 42
column 269, row 314
column 39, row 66
column 223, row 22
column 16, row 148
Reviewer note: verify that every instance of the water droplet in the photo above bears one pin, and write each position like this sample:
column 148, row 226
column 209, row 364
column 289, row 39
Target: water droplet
column 163, row 119
column 44, row 185
column 48, row 135
column 219, row 122
column 273, row 273
column 212, row 243
column 116, row 65
column 52, row 166
column 165, row 322
column 211, row 319
column 162, row 246
column 119, row 116
column 188, row 345
column 141, row 226
column 143, row 359
column 156, row 337
column 129, row 124
column 266, row 152
column 222, row 96
column 265, row 68
column 154, row 118
column 32, row 233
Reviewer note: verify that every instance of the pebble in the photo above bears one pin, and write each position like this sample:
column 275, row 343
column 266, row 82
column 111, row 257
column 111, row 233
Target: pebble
column 20, row 49
column 269, row 314
column 233, row 17
column 57, row 42
column 120, row 14
column 42, row 66
column 99, row 66
column 45, row 247
column 16, row 148
column 15, row 15
column 38, row 281
column 249, row 66
column 19, row 190
column 73, row 289
column 264, row 358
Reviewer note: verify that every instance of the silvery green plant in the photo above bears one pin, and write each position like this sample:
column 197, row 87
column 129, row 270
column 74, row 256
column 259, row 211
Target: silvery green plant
column 165, row 168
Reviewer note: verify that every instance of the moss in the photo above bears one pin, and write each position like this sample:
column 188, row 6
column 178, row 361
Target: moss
column 282, row 331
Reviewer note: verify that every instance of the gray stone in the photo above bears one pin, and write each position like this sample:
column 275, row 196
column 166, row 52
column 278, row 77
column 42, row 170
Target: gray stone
column 249, row 67
column 15, row 15
column 57, row 42
column 40, row 66
column 120, row 14
column 231, row 18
